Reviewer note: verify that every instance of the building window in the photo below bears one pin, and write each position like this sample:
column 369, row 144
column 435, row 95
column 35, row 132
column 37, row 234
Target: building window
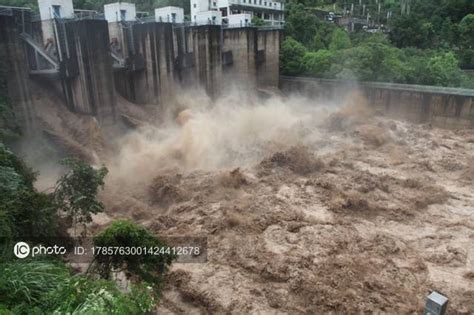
column 57, row 11
column 123, row 15
column 214, row 4
column 260, row 2
column 194, row 5
column 265, row 3
column 243, row 1
column 254, row 1
column 266, row 16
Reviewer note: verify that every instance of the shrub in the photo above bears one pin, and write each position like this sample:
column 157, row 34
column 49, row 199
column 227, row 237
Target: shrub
column 47, row 287
column 318, row 63
column 125, row 233
column 76, row 191
column 292, row 53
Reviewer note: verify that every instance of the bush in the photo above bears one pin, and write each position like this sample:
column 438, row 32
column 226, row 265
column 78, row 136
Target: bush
column 47, row 287
column 76, row 191
column 125, row 233
column 318, row 63
column 23, row 211
column 339, row 40
column 292, row 53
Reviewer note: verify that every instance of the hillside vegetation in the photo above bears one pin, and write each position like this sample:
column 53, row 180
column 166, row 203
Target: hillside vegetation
column 429, row 45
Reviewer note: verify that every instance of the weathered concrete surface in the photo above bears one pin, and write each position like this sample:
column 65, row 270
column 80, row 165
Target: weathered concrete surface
column 174, row 57
column 86, row 73
column 206, row 56
column 154, row 43
column 240, row 51
column 13, row 54
column 268, row 57
column 442, row 107
column 207, row 47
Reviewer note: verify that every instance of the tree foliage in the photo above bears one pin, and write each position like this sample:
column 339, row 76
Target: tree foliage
column 46, row 286
column 24, row 211
column 318, row 63
column 292, row 53
column 76, row 191
column 122, row 234
column 427, row 46
column 339, row 40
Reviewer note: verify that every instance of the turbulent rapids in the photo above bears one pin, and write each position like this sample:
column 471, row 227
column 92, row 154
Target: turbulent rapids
column 306, row 205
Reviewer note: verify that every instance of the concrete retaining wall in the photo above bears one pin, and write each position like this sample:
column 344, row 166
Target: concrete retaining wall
column 153, row 61
column 87, row 74
column 240, row 50
column 154, row 43
column 207, row 49
column 442, row 107
column 268, row 62
column 13, row 54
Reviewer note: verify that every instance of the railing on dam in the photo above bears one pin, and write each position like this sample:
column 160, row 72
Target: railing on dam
column 440, row 106
column 388, row 86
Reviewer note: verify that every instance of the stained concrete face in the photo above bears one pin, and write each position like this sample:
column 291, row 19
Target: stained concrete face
column 154, row 43
column 445, row 110
column 174, row 58
column 87, row 72
column 207, row 56
column 18, row 90
column 240, row 52
column 156, row 61
column 268, row 57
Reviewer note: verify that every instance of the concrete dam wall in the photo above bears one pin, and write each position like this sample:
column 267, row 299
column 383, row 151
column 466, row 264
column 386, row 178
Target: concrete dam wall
column 89, row 61
column 173, row 57
column 442, row 107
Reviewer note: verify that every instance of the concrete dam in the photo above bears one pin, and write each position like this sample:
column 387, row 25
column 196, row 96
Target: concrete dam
column 88, row 62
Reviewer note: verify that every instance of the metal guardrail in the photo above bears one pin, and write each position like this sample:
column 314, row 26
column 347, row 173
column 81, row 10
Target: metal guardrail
column 147, row 19
column 390, row 86
column 275, row 5
column 260, row 27
column 8, row 10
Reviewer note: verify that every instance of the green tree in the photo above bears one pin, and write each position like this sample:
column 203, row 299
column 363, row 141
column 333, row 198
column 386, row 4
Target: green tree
column 339, row 40
column 466, row 34
column 292, row 53
column 323, row 35
column 411, row 31
column 24, row 211
column 76, row 191
column 466, row 31
column 148, row 267
column 318, row 63
column 443, row 70
column 300, row 24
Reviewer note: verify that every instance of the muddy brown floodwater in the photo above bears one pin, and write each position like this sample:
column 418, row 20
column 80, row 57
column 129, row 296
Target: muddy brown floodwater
column 307, row 209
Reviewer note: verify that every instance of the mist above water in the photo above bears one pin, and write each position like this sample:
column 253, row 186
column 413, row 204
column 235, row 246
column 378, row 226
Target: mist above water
column 236, row 130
